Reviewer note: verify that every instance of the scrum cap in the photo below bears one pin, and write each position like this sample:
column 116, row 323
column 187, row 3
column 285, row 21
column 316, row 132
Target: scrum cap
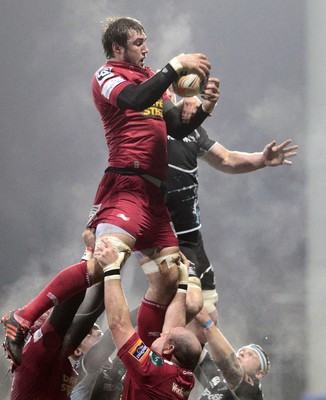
column 263, row 356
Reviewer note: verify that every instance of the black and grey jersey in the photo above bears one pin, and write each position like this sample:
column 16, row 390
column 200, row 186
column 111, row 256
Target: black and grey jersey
column 182, row 182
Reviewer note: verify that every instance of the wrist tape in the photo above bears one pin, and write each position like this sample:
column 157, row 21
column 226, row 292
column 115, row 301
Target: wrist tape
column 176, row 65
column 208, row 324
column 112, row 271
column 183, row 278
column 88, row 254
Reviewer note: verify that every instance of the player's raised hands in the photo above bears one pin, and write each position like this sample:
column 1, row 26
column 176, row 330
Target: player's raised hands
column 211, row 94
column 275, row 155
column 196, row 63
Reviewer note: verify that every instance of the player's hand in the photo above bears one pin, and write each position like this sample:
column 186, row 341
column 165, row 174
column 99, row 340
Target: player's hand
column 196, row 63
column 275, row 155
column 189, row 108
column 184, row 259
column 105, row 253
column 211, row 94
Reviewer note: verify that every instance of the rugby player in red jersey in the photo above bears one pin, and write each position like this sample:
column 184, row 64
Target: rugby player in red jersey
column 157, row 368
column 129, row 206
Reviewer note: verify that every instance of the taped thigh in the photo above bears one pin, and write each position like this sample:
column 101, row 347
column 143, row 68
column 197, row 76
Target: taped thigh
column 118, row 245
column 210, row 300
column 156, row 265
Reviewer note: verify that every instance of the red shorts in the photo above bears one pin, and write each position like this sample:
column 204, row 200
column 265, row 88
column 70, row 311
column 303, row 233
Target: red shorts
column 136, row 206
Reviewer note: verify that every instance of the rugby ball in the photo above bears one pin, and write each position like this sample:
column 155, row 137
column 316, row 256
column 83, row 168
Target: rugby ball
column 189, row 85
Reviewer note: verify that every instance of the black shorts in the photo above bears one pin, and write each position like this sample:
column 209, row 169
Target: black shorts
column 191, row 244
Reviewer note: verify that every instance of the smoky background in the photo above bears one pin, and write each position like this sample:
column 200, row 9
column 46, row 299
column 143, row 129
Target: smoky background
column 53, row 154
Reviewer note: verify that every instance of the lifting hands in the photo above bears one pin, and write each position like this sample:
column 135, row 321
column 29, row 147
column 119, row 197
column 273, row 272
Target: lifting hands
column 210, row 95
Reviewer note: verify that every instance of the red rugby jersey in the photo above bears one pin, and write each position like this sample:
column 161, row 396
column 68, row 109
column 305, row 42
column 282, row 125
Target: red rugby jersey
column 135, row 139
column 45, row 373
column 150, row 377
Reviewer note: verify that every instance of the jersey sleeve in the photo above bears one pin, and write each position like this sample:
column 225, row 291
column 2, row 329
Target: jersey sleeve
column 141, row 363
column 205, row 143
column 107, row 83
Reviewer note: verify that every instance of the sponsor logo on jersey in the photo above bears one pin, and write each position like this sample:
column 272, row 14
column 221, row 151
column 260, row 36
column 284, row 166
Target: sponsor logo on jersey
column 68, row 384
column 110, row 85
column 215, row 381
column 102, row 74
column 139, row 350
column 179, row 390
column 188, row 139
column 155, row 111
column 185, row 372
column 211, row 396
column 122, row 216
column 156, row 359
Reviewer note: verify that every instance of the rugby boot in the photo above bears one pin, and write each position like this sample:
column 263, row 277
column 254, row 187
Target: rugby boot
column 15, row 334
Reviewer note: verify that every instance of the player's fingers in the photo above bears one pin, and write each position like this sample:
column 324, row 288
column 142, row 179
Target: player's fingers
column 292, row 154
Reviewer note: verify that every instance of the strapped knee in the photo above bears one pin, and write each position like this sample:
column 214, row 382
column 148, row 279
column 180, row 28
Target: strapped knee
column 194, row 282
column 210, row 299
column 118, row 245
column 156, row 265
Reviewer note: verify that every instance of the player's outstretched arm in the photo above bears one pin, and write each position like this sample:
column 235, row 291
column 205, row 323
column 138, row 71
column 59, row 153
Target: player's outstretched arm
column 221, row 351
column 116, row 307
column 237, row 162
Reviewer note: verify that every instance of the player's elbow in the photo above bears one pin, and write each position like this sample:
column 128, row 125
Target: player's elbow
column 116, row 323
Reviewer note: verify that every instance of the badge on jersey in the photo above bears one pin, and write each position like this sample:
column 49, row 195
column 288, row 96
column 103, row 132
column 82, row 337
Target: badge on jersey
column 156, row 359
column 102, row 74
column 110, row 85
column 139, row 350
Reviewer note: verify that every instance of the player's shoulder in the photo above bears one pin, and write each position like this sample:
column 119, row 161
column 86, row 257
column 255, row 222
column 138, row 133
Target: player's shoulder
column 103, row 73
column 249, row 387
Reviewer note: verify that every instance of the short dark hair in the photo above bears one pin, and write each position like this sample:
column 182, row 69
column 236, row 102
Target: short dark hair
column 185, row 352
column 116, row 30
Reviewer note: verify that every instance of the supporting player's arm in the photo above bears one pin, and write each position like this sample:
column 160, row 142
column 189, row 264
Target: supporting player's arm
column 221, row 351
column 116, row 306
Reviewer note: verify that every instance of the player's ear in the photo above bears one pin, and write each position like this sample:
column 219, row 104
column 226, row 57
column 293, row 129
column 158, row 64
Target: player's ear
column 78, row 352
column 259, row 374
column 169, row 349
column 116, row 48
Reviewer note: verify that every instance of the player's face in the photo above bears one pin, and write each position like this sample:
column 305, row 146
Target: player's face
column 249, row 360
column 136, row 50
column 171, row 94
column 92, row 338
